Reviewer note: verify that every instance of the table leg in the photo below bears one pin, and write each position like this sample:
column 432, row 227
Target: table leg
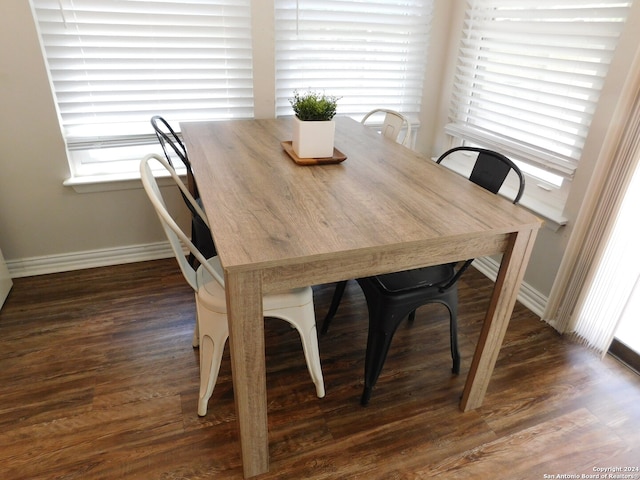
column 503, row 299
column 246, row 339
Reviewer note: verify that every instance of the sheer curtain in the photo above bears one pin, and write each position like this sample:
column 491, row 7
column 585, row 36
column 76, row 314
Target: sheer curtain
column 597, row 275
column 628, row 330
column 616, row 277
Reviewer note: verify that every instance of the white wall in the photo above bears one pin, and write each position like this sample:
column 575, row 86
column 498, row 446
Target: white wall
column 42, row 221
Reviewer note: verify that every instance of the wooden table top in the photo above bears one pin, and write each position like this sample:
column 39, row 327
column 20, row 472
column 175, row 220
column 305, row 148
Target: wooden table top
column 381, row 196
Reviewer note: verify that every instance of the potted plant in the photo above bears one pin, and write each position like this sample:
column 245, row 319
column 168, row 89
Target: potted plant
column 314, row 128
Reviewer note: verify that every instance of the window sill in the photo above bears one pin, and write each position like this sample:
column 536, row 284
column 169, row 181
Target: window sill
column 111, row 169
column 104, row 183
column 116, row 181
column 131, row 180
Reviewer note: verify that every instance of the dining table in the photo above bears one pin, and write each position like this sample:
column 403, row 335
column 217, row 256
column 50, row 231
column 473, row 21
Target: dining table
column 374, row 207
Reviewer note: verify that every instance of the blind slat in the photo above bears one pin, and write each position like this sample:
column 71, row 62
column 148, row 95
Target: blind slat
column 371, row 54
column 530, row 74
column 115, row 63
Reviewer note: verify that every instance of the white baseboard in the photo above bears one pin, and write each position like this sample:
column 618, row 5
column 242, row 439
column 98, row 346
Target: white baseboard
column 28, row 267
column 528, row 296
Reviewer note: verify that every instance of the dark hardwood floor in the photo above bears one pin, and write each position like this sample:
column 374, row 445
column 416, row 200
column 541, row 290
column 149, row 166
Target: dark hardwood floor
column 98, row 380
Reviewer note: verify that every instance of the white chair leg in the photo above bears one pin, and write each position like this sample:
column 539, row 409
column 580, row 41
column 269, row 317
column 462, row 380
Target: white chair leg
column 309, row 338
column 195, row 341
column 214, row 332
column 304, row 321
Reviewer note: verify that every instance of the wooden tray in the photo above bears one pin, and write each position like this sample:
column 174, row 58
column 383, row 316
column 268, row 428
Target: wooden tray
column 337, row 157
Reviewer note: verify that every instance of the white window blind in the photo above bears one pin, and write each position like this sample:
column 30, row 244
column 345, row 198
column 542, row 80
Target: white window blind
column 115, row 63
column 529, row 76
column 370, row 53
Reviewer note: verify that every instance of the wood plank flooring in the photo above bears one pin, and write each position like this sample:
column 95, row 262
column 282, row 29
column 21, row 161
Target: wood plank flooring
column 98, row 380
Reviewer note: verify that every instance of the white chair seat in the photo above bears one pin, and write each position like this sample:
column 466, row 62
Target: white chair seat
column 296, row 297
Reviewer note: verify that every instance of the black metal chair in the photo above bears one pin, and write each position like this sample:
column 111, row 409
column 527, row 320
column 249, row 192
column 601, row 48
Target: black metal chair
column 173, row 147
column 395, row 296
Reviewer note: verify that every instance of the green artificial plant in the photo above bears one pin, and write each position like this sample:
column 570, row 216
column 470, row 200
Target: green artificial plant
column 313, row 106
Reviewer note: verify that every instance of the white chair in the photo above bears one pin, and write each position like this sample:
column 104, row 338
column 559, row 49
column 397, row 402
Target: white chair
column 295, row 306
column 392, row 125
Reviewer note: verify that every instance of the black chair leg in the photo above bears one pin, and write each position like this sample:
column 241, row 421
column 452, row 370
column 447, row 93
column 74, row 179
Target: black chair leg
column 378, row 345
column 333, row 308
column 383, row 323
column 366, row 396
column 379, row 341
column 455, row 351
column 194, row 239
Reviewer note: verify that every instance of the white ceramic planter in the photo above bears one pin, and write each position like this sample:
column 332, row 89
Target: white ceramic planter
column 313, row 139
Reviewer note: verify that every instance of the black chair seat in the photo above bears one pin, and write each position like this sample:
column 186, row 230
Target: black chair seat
column 416, row 279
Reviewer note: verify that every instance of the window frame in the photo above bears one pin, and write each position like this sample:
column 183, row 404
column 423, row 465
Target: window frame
column 477, row 57
column 545, row 199
column 350, row 31
column 100, row 154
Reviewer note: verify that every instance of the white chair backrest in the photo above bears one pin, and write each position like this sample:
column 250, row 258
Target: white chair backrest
column 393, row 124
column 177, row 237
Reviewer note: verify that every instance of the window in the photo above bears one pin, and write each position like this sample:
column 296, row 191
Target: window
column 529, row 76
column 115, row 63
column 372, row 54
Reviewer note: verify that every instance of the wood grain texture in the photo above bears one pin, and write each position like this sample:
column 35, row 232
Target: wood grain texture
column 497, row 317
column 98, row 380
column 278, row 226
column 248, row 359
column 385, row 197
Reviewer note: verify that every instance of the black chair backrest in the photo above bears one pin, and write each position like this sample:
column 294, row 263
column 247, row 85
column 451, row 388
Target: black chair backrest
column 490, row 170
column 168, row 138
